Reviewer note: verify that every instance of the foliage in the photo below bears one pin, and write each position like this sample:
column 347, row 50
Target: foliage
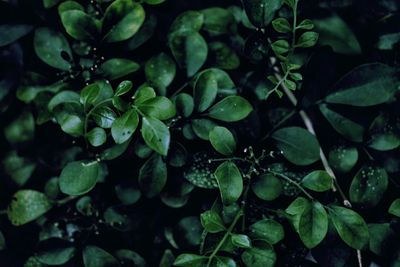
column 199, row 133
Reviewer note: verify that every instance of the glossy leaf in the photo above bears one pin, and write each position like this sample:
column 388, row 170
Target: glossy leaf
column 231, row 108
column 230, row 182
column 222, row 140
column 79, row 177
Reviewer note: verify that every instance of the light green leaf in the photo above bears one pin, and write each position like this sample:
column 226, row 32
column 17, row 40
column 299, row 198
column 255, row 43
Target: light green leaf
column 156, row 135
column 122, row 19
column 366, row 85
column 231, row 108
column 313, row 224
column 116, row 68
column 52, row 48
column 79, row 177
column 96, row 257
column 27, row 205
column 160, row 71
column 267, row 230
column 318, row 181
column 212, row 222
column 298, row 145
column 368, row 186
column 350, row 226
column 124, row 127
column 267, row 186
column 230, row 182
column 222, row 140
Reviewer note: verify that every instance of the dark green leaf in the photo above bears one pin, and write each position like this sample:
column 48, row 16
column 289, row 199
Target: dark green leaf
column 395, row 207
column 10, row 33
column 222, row 140
column 231, row 108
column 313, row 224
column 212, row 222
column 281, row 25
column 192, row 260
column 116, row 68
column 267, row 230
column 241, row 241
column 307, row 39
column 124, row 127
column 160, row 70
column 318, row 181
column 79, row 177
column 156, row 135
column 261, row 12
column 153, row 176
column 97, row 136
column 230, row 182
column 343, row 159
column 267, row 187
column 261, row 255
column 159, row 107
column 79, row 25
column 55, row 251
column 96, row 257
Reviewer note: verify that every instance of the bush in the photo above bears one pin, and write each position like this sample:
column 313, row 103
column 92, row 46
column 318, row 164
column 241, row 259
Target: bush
column 199, row 133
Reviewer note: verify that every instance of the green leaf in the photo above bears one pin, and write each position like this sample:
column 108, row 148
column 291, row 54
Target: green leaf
column 205, row 90
column 224, row 56
column 261, row 12
column 123, row 88
column 50, row 3
column 159, row 107
column 55, row 251
column 381, row 238
column 261, row 255
column 153, row 176
column 203, row 127
column 189, row 49
column 52, row 47
column 114, row 151
column 79, row 25
column 10, row 33
column 230, row 182
column 241, row 241
column 394, row 208
column 318, row 181
column 22, row 129
column 122, row 19
column 368, row 186
column 154, row 2
column 366, row 85
column 267, row 187
column 97, row 136
column 350, row 226
column 62, row 98
column 222, row 140
column 343, row 159
column 130, row 257
column 383, row 136
column 307, row 39
column 231, row 108
column 192, row 260
column 29, row 93
column 190, row 20
column 313, row 224
column 295, row 210
column 212, row 222
column 104, row 117
column 305, row 25
column 96, row 257
column 267, row 230
column 184, row 104
column 20, row 169
column 217, row 20
column 27, row 205
column 281, row 25
column 79, row 177
column 116, row 68
column 156, row 135
column 144, row 33
column 124, row 127
column 298, row 145
column 160, row 71
column 345, row 126
column 336, row 33
column 280, row 47
column 143, row 94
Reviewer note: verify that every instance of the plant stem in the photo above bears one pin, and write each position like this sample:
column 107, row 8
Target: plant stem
column 180, row 89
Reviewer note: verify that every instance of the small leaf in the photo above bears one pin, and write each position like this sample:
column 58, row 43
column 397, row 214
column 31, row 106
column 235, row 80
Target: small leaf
column 313, row 224
column 241, row 241
column 307, row 39
column 160, row 71
column 368, row 186
column 306, row 25
column 267, row 230
column 122, row 19
column 394, row 208
column 318, row 181
column 79, row 177
column 27, row 205
column 230, row 182
column 267, row 187
column 143, row 94
column 96, row 257
column 52, row 48
column 281, row 25
column 124, row 127
column 212, row 222
column 116, row 68
column 350, row 226
column 222, row 140
column 159, row 107
column 123, row 88
column 156, row 135
column 298, row 145
column 192, row 260
column 280, row 47
column 231, row 108
column 184, row 104
column 97, row 136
